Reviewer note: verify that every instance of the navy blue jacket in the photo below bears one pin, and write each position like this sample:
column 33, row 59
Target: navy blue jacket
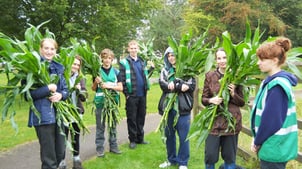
column 42, row 103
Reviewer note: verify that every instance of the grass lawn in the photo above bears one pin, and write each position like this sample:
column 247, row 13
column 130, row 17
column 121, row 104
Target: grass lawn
column 147, row 156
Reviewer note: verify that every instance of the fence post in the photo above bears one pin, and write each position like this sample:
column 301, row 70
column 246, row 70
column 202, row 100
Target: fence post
column 196, row 98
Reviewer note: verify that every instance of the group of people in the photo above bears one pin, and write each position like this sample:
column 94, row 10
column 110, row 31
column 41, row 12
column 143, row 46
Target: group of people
column 131, row 79
column 273, row 116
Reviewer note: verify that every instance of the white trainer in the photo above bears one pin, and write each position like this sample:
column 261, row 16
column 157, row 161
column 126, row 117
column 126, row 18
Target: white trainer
column 182, row 167
column 165, row 164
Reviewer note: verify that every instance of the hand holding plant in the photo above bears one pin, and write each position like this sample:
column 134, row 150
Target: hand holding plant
column 193, row 56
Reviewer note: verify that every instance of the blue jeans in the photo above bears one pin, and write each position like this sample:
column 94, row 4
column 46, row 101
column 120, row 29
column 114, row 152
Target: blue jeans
column 182, row 128
column 100, row 132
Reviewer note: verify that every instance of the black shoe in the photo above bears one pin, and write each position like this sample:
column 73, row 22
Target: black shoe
column 132, row 145
column 143, row 142
column 115, row 151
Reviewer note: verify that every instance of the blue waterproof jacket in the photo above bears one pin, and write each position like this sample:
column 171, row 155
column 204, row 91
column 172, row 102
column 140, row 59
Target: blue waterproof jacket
column 42, row 103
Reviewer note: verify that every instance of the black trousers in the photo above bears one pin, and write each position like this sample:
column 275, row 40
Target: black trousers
column 75, row 138
column 136, row 114
column 226, row 144
column 272, row 165
column 52, row 145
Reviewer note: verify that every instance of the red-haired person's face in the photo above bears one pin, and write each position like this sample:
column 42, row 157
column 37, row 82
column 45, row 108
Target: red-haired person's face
column 267, row 65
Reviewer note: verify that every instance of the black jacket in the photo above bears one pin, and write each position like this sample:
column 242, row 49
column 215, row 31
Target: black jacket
column 185, row 99
column 122, row 76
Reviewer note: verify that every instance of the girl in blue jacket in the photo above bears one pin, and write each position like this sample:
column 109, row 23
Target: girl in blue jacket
column 52, row 143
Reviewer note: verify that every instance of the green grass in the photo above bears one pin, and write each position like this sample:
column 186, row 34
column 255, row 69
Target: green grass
column 148, row 156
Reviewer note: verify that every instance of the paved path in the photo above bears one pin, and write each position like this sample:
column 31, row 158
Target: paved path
column 27, row 156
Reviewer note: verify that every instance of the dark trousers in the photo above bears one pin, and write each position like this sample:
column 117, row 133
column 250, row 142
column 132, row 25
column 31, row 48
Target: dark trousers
column 52, row 145
column 227, row 145
column 271, row 165
column 100, row 132
column 75, row 138
column 136, row 113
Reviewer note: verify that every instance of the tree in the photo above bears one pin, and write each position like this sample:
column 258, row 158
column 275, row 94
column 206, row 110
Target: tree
column 12, row 20
column 231, row 15
column 114, row 22
column 291, row 15
column 164, row 22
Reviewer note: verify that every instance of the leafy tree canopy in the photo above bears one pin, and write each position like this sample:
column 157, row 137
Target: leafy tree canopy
column 113, row 22
column 277, row 18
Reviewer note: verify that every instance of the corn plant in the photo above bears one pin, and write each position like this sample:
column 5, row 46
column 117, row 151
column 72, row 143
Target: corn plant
column 193, row 56
column 242, row 70
column 23, row 63
column 66, row 58
column 91, row 66
column 148, row 54
column 91, row 62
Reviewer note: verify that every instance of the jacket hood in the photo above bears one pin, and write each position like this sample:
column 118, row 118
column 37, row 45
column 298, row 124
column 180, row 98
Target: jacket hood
column 292, row 78
column 168, row 65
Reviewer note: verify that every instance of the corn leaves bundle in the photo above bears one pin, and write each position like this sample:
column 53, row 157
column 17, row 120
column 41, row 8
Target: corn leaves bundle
column 193, row 56
column 91, row 66
column 66, row 58
column 148, row 54
column 110, row 111
column 91, row 62
column 242, row 70
column 23, row 63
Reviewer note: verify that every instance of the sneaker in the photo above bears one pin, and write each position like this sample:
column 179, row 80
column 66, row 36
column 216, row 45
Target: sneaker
column 165, row 164
column 100, row 153
column 182, row 167
column 62, row 165
column 115, row 151
column 77, row 165
column 132, row 145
